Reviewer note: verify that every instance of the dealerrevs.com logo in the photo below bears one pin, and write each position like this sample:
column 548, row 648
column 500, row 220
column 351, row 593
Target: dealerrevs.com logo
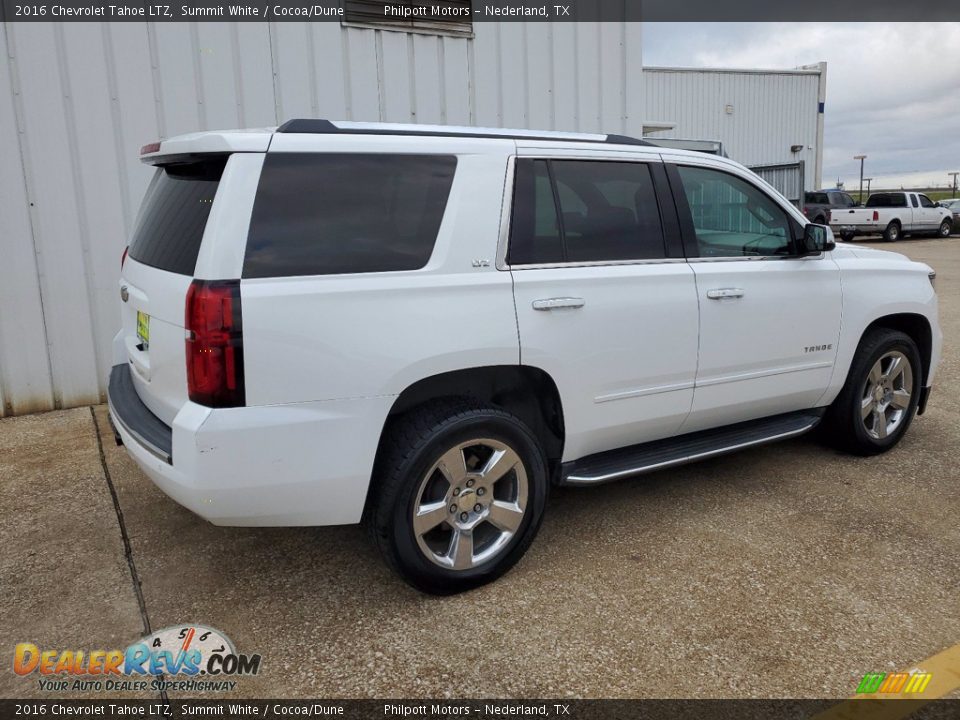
column 181, row 657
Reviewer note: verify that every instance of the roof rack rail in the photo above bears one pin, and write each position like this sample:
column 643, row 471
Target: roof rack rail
column 325, row 127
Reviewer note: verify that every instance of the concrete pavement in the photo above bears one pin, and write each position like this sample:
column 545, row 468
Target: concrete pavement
column 785, row 571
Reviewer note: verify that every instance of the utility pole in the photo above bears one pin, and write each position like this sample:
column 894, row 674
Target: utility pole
column 867, row 181
column 954, row 176
column 861, row 158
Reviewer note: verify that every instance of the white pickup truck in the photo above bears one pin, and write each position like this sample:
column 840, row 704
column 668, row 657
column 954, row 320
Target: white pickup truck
column 893, row 214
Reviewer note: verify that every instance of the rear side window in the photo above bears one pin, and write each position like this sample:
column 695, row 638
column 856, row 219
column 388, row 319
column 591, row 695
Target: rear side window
column 332, row 213
column 584, row 211
column 174, row 214
column 887, row 200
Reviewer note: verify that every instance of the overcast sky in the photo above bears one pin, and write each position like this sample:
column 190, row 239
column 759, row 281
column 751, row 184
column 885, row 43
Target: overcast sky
column 893, row 89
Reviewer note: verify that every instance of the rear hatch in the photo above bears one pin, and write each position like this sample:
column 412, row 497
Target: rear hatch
column 157, row 273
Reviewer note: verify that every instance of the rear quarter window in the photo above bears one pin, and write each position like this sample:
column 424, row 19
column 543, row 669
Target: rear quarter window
column 174, row 214
column 334, row 213
column 885, row 200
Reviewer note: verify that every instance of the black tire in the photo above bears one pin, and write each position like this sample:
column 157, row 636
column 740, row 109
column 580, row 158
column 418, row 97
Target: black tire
column 819, row 220
column 946, row 227
column 847, row 236
column 845, row 425
column 411, row 446
column 892, row 232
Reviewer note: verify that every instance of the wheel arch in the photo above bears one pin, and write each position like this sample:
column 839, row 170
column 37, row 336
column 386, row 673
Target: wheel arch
column 525, row 391
column 916, row 326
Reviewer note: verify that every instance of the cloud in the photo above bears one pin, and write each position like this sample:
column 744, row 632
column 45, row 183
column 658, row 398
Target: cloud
column 893, row 89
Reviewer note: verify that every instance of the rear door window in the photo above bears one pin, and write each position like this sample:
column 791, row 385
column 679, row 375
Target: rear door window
column 174, row 214
column 333, row 213
column 580, row 211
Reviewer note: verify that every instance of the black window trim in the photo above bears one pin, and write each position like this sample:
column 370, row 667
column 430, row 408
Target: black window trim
column 688, row 232
column 669, row 215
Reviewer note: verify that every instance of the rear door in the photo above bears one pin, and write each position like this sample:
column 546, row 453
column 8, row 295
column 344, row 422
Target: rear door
column 156, row 275
column 769, row 319
column 605, row 302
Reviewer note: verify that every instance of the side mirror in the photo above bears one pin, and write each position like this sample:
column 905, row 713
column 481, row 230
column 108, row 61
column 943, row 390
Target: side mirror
column 817, row 239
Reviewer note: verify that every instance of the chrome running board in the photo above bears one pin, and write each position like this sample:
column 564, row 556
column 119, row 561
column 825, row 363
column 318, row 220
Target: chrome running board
column 647, row 457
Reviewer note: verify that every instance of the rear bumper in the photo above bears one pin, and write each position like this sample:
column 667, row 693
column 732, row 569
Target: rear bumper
column 857, row 229
column 129, row 413
column 280, row 465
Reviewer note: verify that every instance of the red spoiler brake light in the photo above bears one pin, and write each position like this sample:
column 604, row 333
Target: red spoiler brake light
column 150, row 148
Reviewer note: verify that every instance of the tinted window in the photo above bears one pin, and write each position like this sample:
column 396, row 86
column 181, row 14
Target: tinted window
column 607, row 211
column 925, row 201
column 174, row 214
column 818, row 199
column 733, row 218
column 845, row 200
column 534, row 226
column 887, row 200
column 913, row 201
column 330, row 213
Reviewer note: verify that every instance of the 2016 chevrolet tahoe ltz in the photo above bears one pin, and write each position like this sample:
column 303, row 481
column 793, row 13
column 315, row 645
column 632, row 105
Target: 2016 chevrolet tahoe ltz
column 425, row 328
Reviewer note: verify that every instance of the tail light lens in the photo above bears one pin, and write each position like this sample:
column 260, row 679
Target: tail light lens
column 123, row 258
column 829, row 216
column 215, row 343
column 876, row 215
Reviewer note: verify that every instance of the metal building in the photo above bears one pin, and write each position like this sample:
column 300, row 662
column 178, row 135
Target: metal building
column 769, row 120
column 77, row 101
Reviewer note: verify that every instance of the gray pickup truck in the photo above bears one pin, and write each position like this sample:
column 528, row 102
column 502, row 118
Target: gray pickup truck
column 817, row 205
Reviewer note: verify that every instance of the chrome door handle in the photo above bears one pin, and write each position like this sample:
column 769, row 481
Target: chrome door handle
column 725, row 293
column 560, row 302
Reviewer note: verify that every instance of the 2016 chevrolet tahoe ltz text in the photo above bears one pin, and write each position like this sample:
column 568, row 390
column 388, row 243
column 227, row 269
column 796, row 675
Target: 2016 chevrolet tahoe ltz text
column 425, row 328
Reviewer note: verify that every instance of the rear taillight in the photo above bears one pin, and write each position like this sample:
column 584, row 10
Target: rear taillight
column 123, row 258
column 829, row 216
column 150, row 148
column 876, row 215
column 215, row 343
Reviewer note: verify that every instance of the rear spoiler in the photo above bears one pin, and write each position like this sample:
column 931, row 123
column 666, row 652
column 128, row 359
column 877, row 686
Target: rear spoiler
column 223, row 142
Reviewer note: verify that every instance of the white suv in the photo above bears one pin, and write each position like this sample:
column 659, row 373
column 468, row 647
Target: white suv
column 427, row 327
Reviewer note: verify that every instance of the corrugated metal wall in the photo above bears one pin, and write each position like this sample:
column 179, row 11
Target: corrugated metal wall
column 757, row 115
column 77, row 101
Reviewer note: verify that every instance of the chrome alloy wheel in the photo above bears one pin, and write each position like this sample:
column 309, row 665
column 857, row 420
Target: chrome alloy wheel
column 470, row 504
column 886, row 395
